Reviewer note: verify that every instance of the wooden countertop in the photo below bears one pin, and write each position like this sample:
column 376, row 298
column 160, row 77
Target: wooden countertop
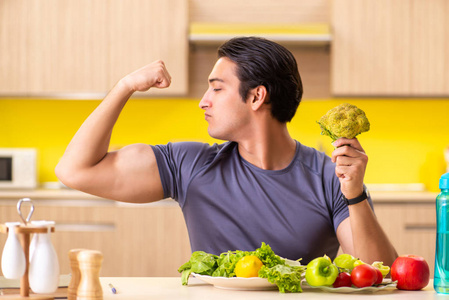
column 171, row 288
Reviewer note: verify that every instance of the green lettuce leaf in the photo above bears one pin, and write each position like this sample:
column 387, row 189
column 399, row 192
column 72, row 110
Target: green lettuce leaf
column 226, row 263
column 287, row 278
column 201, row 263
column 267, row 256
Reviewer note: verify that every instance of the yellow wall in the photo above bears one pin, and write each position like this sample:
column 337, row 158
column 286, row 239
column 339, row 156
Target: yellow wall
column 405, row 143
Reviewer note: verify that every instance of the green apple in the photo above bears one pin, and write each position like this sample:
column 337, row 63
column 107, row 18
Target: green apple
column 321, row 271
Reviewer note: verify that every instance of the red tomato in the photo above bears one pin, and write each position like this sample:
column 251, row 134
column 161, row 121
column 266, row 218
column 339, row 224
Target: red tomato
column 380, row 277
column 364, row 275
column 343, row 279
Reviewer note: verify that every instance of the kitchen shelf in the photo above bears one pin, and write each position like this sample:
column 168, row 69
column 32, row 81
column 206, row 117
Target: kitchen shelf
column 303, row 34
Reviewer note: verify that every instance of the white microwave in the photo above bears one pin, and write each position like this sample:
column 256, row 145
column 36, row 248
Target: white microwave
column 18, row 168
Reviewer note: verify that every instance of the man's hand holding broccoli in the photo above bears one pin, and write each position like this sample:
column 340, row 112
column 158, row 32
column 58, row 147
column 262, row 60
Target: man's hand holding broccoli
column 343, row 123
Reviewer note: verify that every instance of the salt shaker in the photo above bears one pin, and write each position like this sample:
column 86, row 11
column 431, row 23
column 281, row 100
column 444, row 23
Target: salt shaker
column 89, row 288
column 76, row 275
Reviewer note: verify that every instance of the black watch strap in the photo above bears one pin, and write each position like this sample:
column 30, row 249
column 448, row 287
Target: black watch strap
column 355, row 200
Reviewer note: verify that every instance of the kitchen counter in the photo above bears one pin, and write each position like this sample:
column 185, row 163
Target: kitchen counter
column 171, row 288
column 68, row 197
column 83, row 220
column 46, row 194
column 153, row 237
column 402, row 197
column 70, row 194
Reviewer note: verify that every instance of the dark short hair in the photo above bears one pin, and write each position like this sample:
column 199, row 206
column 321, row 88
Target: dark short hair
column 263, row 62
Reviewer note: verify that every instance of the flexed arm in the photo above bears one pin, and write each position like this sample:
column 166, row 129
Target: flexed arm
column 129, row 174
column 361, row 234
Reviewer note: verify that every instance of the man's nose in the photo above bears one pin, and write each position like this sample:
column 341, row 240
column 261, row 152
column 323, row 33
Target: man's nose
column 204, row 102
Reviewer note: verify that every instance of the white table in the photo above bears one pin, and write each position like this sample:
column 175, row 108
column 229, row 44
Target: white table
column 170, row 288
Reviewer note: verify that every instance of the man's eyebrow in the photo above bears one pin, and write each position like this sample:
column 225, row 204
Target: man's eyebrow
column 215, row 79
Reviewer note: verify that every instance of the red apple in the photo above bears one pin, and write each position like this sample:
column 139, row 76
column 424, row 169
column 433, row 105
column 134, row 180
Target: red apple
column 411, row 272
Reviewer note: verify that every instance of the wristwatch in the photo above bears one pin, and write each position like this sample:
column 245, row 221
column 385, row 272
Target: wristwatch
column 355, row 200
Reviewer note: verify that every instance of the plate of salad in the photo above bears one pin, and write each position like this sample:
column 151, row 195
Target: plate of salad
column 220, row 270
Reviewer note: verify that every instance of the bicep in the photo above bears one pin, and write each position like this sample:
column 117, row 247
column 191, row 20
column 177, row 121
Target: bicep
column 130, row 175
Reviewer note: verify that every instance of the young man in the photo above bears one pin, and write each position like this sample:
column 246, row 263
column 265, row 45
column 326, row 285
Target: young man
column 261, row 186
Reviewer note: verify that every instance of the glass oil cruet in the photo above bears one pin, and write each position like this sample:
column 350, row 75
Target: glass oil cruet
column 13, row 257
column 44, row 266
column 43, row 269
column 34, row 239
column 36, row 236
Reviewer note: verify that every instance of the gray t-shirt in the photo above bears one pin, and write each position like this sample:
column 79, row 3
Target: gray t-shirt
column 230, row 204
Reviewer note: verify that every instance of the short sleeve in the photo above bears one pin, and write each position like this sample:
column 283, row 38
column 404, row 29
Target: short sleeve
column 178, row 163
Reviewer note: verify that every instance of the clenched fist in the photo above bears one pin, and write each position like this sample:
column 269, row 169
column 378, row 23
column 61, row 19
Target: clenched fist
column 351, row 161
column 151, row 75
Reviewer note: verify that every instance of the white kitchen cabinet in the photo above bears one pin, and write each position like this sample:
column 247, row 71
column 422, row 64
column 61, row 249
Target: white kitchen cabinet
column 304, row 27
column 390, row 48
column 81, row 48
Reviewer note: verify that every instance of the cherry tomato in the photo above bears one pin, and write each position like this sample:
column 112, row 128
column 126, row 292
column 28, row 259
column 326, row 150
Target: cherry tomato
column 364, row 275
column 380, row 277
column 343, row 279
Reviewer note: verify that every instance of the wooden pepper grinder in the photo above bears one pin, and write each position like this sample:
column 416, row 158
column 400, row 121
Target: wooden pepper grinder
column 89, row 287
column 76, row 275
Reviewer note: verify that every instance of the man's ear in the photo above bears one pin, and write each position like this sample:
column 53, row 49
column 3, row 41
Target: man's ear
column 258, row 96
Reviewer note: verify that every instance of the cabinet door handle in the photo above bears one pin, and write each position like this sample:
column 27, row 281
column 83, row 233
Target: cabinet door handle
column 420, row 227
column 85, row 227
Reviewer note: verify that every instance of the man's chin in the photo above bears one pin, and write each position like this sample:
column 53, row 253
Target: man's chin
column 216, row 135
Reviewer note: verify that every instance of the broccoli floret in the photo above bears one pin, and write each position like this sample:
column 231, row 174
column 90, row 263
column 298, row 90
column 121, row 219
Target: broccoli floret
column 344, row 121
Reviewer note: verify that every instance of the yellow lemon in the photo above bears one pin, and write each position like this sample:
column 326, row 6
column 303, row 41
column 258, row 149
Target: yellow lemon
column 248, row 266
